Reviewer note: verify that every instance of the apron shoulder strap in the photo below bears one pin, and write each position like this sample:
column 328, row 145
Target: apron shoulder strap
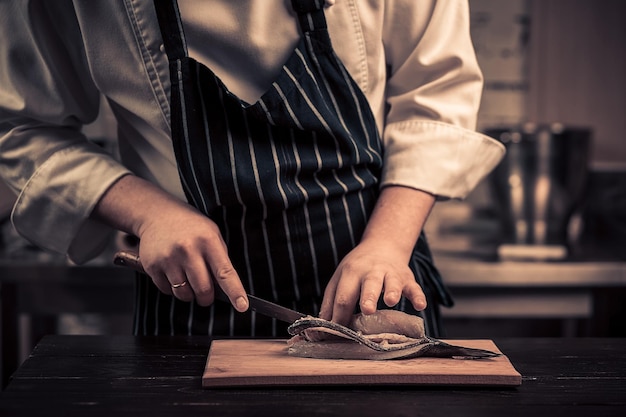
column 310, row 14
column 171, row 27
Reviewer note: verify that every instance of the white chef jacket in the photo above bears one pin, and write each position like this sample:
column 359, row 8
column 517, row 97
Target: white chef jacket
column 413, row 59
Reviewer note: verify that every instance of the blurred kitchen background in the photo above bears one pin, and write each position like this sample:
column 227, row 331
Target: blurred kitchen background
column 538, row 249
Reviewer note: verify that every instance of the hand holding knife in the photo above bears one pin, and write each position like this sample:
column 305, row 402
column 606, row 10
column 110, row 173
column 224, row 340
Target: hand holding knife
column 267, row 308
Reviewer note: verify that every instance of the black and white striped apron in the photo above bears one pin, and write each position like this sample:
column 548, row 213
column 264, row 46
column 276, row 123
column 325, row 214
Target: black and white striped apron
column 291, row 181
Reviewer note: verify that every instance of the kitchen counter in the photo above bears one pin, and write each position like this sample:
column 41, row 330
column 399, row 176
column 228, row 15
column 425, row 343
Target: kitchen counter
column 566, row 290
column 105, row 375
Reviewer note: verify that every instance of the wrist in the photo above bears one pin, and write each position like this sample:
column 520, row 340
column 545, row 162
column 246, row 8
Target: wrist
column 398, row 219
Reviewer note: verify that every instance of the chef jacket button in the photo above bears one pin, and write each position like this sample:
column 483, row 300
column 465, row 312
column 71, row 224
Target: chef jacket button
column 162, row 48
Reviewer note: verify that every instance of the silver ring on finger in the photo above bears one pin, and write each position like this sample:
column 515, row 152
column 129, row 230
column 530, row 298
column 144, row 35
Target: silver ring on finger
column 182, row 284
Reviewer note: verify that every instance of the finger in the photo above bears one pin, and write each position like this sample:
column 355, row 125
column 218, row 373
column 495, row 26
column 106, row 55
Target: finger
column 345, row 300
column 200, row 281
column 162, row 283
column 414, row 293
column 392, row 291
column 180, row 286
column 182, row 290
column 171, row 279
column 164, row 277
column 326, row 310
column 370, row 293
column 226, row 277
column 228, row 280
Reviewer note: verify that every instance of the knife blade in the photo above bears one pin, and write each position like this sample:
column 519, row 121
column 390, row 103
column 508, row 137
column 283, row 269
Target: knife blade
column 267, row 308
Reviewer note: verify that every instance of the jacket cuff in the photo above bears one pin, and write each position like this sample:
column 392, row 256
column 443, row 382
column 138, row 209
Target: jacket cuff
column 53, row 209
column 440, row 158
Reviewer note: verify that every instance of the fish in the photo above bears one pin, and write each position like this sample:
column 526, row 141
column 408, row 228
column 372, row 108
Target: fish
column 384, row 335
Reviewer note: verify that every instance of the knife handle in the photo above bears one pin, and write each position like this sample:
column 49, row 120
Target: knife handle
column 130, row 260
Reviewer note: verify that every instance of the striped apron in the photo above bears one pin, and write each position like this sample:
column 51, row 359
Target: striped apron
column 290, row 180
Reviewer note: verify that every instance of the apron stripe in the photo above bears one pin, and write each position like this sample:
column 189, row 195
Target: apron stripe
column 313, row 109
column 336, row 107
column 288, row 106
column 358, row 106
column 267, row 112
column 309, row 234
column 156, row 314
column 285, row 224
column 237, row 190
column 257, row 181
column 171, row 318
column 324, row 189
column 192, row 308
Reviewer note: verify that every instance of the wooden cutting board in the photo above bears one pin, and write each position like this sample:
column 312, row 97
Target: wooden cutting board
column 264, row 362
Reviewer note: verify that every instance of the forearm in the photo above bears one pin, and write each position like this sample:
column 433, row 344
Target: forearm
column 132, row 203
column 398, row 219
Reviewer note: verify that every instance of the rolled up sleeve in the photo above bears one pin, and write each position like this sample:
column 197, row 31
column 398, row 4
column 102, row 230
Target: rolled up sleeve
column 46, row 95
column 433, row 95
column 54, row 204
column 440, row 158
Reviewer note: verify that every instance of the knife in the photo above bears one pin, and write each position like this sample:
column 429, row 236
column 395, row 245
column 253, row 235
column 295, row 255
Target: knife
column 131, row 260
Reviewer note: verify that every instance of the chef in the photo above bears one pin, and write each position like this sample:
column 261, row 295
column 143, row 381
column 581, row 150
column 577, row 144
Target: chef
column 287, row 149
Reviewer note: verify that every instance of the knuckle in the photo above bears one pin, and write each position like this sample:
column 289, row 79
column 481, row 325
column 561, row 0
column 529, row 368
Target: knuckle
column 204, row 292
column 224, row 272
column 183, row 247
column 204, row 298
column 347, row 268
column 342, row 301
column 369, row 296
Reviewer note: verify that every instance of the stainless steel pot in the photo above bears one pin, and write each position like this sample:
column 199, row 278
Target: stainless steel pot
column 541, row 181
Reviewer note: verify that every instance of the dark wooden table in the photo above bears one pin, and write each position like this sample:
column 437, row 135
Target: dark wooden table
column 161, row 376
column 45, row 291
